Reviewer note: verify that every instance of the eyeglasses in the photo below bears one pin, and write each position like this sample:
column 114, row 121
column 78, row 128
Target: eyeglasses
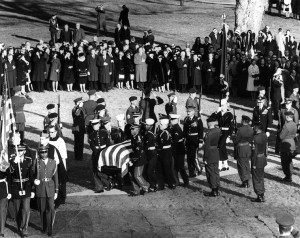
column 43, row 152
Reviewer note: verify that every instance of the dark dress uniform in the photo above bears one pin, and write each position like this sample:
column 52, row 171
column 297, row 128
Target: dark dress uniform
column 4, row 191
column 98, row 141
column 151, row 155
column 258, row 163
column 47, row 174
column 21, row 198
column 78, row 129
column 147, row 106
column 226, row 124
column 171, row 108
column 243, row 151
column 193, row 103
column 165, row 159
column 211, row 158
column 263, row 115
column 129, row 114
column 138, row 157
column 193, row 133
column 178, row 151
column 287, row 148
column 18, row 103
column 89, row 107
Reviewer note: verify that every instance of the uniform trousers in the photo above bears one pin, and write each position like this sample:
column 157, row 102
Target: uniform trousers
column 78, row 145
column 22, row 211
column 53, row 36
column 258, row 180
column 165, row 168
column 47, row 212
column 101, row 180
column 287, row 163
column 222, row 148
column 191, row 150
column 21, row 129
column 179, row 167
column 137, row 180
column 243, row 167
column 212, row 175
column 151, row 156
column 3, row 211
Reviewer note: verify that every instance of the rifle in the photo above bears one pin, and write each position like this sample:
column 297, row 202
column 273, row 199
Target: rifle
column 234, row 121
column 269, row 92
column 200, row 96
column 58, row 109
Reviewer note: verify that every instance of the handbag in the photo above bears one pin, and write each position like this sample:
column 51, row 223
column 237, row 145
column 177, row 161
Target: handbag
column 82, row 74
column 121, row 76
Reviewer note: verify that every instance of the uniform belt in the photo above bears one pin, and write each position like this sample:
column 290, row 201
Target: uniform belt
column 151, row 148
column 260, row 155
column 21, row 180
column 2, row 180
column 102, row 146
column 243, row 143
column 166, row 146
column 225, row 128
column 181, row 140
column 193, row 134
column 46, row 179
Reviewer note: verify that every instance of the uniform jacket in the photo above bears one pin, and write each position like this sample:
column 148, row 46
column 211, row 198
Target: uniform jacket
column 163, row 139
column 147, row 106
column 171, row 108
column 264, row 116
column 193, row 130
column 282, row 116
column 53, row 25
column 149, row 140
column 177, row 139
column 138, row 154
column 4, row 188
column 287, row 135
column 78, row 35
column 129, row 114
column 194, row 103
column 78, row 120
column 98, row 140
column 211, row 150
column 258, row 158
column 88, row 109
column 48, row 171
column 243, row 141
column 18, row 103
column 225, row 123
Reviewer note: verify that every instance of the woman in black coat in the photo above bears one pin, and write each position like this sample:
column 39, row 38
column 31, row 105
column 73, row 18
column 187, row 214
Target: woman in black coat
column 68, row 71
column 196, row 47
column 123, row 19
column 81, row 67
column 120, row 70
column 39, row 70
column 128, row 70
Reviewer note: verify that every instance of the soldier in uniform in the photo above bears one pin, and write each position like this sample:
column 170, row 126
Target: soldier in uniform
column 259, row 161
column 53, row 122
column 132, row 109
column 178, row 149
column 171, row 106
column 165, row 156
column 120, row 134
column 78, row 128
column 138, row 158
column 226, row 124
column 262, row 94
column 5, row 193
column 50, row 109
column 88, row 109
column 262, row 114
column 192, row 101
column 21, row 183
column 46, row 188
column 193, row 134
column 287, row 146
column 98, row 140
column 18, row 102
column 285, row 223
column 242, row 145
column 212, row 156
column 151, row 154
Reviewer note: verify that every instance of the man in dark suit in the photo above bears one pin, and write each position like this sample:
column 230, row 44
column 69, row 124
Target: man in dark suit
column 66, row 35
column 53, row 28
column 18, row 103
column 79, row 34
column 46, row 189
column 88, row 108
column 123, row 19
column 262, row 114
column 215, row 39
column 171, row 106
column 150, row 38
column 101, row 19
column 117, row 36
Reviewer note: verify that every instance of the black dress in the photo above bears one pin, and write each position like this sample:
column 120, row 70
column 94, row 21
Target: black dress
column 81, row 67
column 68, row 71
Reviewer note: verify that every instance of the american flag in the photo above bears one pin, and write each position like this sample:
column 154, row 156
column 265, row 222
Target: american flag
column 7, row 124
column 116, row 155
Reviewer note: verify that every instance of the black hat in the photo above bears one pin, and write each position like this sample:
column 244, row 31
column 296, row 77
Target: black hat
column 171, row 94
column 147, row 91
column 132, row 98
column 50, row 106
column 91, row 92
column 288, row 100
column 105, row 119
column 80, row 54
column 285, row 220
column 78, row 99
column 99, row 107
column 260, row 88
column 52, row 115
column 134, row 126
column 246, row 118
column 192, row 90
column 43, row 148
column 295, row 85
column 212, row 118
column 289, row 113
column 149, row 31
column 21, row 148
column 100, row 100
column 94, row 121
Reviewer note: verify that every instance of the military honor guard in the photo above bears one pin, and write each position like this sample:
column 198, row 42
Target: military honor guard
column 98, row 140
column 178, row 149
column 287, row 145
column 134, row 107
column 89, row 108
column 171, row 106
column 262, row 114
column 46, row 189
column 243, row 151
column 21, row 184
column 151, row 154
column 285, row 223
column 50, row 110
column 295, row 97
column 211, row 155
column 193, row 134
column 259, row 161
column 78, row 128
column 138, row 158
column 192, row 101
column 226, row 124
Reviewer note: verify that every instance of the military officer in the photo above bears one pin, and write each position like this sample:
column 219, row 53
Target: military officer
column 21, row 184
column 98, row 140
column 287, row 146
column 171, row 106
column 5, row 193
column 285, row 223
column 259, row 161
column 212, row 156
column 193, row 134
column 89, row 108
column 46, row 188
column 192, row 101
column 151, row 154
column 50, row 109
column 134, row 107
column 178, row 149
column 226, row 124
column 53, row 121
column 18, row 103
column 262, row 94
column 295, row 97
column 263, row 114
column 242, row 145
column 138, row 158
column 78, row 128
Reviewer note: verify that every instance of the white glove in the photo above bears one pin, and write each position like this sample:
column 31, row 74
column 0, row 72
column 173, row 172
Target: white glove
column 88, row 73
column 55, row 196
column 219, row 109
column 17, row 159
column 8, row 196
column 227, row 140
column 268, row 134
column 200, row 145
column 37, row 182
column 32, row 195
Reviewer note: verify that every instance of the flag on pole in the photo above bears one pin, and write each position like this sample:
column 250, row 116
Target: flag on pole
column 224, row 59
column 116, row 155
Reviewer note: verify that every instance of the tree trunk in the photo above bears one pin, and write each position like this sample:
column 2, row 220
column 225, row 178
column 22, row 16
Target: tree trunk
column 249, row 14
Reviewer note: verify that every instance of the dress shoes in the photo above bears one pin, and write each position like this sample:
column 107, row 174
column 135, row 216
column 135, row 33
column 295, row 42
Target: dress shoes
column 286, row 179
column 100, row 191
column 50, row 234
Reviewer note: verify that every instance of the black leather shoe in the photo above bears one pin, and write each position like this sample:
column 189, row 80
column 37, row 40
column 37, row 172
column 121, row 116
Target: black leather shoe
column 289, row 180
column 50, row 234
column 100, row 191
column 258, row 199
column 211, row 194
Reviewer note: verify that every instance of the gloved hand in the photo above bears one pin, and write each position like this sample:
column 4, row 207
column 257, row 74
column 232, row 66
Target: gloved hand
column 268, row 134
column 32, row 195
column 8, row 196
column 17, row 159
column 227, row 140
column 55, row 196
